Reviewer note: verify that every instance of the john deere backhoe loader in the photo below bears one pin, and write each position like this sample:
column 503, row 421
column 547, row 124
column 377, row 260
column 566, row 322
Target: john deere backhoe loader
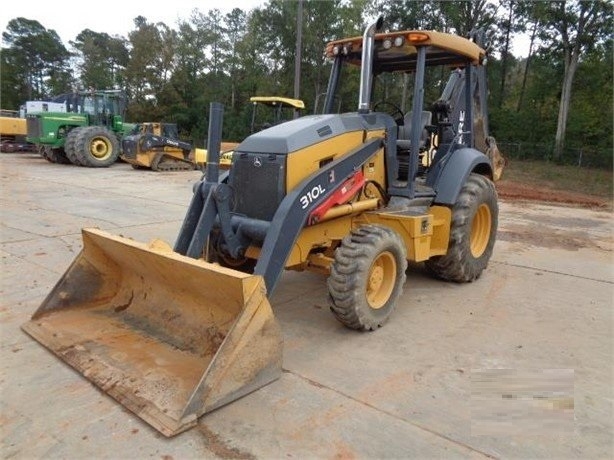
column 174, row 333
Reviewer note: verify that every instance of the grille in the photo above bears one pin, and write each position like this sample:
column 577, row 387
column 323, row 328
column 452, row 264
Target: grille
column 258, row 184
column 34, row 126
column 129, row 148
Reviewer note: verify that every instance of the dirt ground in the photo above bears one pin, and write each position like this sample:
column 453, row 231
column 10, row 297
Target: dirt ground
column 515, row 191
column 518, row 364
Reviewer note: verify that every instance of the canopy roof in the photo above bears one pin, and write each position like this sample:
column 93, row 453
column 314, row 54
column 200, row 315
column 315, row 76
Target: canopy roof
column 396, row 51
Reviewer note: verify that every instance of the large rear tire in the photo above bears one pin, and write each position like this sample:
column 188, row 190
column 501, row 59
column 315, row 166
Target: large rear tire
column 54, row 155
column 97, row 147
column 367, row 277
column 70, row 146
column 472, row 234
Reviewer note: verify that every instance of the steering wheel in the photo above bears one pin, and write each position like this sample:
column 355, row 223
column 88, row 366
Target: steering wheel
column 393, row 110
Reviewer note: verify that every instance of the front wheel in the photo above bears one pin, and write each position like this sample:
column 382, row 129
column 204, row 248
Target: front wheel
column 472, row 233
column 96, row 147
column 367, row 277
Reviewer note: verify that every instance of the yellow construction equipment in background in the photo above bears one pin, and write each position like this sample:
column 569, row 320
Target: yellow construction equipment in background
column 277, row 110
column 13, row 132
column 157, row 146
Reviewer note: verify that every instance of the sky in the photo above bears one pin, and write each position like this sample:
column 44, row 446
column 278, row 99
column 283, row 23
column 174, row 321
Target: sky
column 69, row 17
column 116, row 17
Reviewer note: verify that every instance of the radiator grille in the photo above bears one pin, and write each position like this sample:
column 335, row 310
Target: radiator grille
column 35, row 127
column 258, row 183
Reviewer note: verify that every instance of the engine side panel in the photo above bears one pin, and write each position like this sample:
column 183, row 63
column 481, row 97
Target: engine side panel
column 269, row 164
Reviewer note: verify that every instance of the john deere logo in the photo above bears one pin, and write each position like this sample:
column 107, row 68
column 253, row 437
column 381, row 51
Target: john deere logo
column 257, row 162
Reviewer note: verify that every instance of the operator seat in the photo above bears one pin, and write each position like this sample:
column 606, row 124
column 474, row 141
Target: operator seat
column 404, row 137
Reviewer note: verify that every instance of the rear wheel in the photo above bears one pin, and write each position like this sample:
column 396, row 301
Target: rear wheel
column 367, row 277
column 96, row 147
column 54, row 155
column 472, row 233
column 70, row 146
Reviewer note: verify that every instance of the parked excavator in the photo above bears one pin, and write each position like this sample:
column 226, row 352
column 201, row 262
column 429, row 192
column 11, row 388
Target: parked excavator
column 173, row 333
column 13, row 133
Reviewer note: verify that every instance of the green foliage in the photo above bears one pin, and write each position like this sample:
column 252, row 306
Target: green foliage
column 103, row 59
column 173, row 73
column 35, row 63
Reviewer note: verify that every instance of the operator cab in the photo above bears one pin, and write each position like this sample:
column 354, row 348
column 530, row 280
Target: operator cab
column 407, row 69
column 102, row 106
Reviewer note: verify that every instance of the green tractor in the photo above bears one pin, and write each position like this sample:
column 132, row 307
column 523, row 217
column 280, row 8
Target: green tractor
column 86, row 132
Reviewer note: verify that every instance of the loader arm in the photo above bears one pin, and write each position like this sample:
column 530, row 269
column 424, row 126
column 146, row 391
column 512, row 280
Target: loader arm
column 153, row 141
column 209, row 204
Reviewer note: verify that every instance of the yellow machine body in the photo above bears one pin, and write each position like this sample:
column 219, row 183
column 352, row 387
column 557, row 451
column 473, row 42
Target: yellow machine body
column 425, row 235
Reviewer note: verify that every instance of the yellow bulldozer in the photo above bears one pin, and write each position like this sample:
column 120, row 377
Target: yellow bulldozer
column 173, row 333
column 157, row 146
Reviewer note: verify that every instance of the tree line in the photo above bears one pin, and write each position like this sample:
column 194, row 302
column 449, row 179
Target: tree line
column 556, row 97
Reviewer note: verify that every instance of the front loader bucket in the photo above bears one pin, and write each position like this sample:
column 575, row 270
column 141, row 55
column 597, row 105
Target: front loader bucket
column 167, row 336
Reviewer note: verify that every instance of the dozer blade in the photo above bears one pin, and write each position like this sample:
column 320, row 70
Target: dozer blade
column 167, row 336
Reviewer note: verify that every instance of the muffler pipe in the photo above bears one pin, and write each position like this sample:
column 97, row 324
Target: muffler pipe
column 366, row 70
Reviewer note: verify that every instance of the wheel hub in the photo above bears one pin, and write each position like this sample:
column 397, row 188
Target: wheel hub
column 480, row 230
column 100, row 148
column 382, row 276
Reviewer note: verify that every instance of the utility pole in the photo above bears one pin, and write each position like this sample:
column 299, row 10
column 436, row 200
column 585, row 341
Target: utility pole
column 297, row 61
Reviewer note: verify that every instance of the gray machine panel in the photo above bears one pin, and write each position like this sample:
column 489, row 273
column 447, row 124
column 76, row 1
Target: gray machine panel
column 305, row 131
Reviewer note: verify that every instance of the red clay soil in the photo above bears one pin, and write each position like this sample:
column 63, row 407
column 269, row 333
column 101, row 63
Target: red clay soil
column 516, row 191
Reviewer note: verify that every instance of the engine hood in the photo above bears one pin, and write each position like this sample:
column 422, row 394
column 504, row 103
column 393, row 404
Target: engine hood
column 305, row 131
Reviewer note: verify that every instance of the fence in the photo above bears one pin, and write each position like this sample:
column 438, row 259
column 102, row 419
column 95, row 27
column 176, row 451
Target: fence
column 581, row 157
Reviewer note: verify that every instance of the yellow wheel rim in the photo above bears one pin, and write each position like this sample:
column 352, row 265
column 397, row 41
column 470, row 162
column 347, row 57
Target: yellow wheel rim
column 480, row 230
column 380, row 282
column 101, row 148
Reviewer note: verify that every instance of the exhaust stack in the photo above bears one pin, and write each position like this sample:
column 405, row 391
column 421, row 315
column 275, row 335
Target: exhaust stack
column 366, row 70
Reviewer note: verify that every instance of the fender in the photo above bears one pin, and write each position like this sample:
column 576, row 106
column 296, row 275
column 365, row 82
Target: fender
column 450, row 173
